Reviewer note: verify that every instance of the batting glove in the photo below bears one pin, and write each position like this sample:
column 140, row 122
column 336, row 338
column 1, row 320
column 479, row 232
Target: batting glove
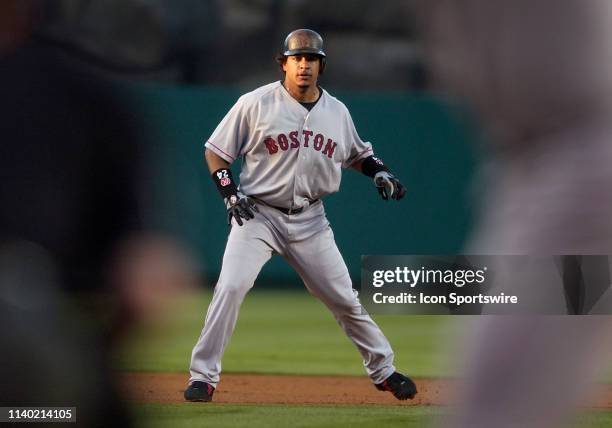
column 240, row 207
column 388, row 186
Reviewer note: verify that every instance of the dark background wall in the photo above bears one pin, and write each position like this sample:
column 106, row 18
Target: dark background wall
column 424, row 140
column 370, row 45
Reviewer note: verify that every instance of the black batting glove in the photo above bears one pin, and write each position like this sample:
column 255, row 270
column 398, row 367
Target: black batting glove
column 240, row 207
column 388, row 186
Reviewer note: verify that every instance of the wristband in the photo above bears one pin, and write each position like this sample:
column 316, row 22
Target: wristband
column 225, row 182
column 372, row 166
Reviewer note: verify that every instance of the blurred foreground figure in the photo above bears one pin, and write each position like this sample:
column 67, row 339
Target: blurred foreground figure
column 71, row 226
column 539, row 76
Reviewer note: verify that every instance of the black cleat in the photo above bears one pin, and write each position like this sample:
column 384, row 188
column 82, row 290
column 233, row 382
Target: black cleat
column 402, row 387
column 199, row 391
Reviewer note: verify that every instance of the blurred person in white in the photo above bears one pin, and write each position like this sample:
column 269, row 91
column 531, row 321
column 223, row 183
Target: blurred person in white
column 539, row 77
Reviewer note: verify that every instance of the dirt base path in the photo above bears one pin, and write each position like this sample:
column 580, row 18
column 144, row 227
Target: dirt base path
column 273, row 389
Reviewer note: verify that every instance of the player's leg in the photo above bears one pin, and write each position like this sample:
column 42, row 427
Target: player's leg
column 248, row 248
column 322, row 268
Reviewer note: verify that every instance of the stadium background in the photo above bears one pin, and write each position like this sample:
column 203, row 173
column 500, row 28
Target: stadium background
column 179, row 66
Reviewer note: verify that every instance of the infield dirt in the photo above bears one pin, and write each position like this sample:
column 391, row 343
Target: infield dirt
column 143, row 387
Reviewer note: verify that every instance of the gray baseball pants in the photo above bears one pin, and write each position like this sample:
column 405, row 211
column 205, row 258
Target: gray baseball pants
column 306, row 241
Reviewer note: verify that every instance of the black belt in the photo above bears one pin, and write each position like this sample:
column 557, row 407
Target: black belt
column 290, row 211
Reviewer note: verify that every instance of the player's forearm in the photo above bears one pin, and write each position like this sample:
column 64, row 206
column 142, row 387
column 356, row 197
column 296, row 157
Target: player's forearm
column 214, row 161
column 357, row 166
column 221, row 174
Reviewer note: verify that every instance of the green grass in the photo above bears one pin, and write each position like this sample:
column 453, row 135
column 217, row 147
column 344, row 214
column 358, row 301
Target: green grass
column 595, row 419
column 291, row 332
column 286, row 332
column 194, row 415
column 251, row 416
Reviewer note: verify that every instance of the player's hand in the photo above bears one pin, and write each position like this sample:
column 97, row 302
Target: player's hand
column 240, row 207
column 388, row 186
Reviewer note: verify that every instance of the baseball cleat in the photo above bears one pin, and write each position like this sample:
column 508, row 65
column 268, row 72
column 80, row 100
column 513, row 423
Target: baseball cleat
column 199, row 391
column 402, row 387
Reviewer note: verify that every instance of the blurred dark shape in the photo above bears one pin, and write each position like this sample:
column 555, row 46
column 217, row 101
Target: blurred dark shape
column 78, row 264
column 582, row 293
column 152, row 39
column 228, row 42
column 53, row 353
column 393, row 17
column 70, row 162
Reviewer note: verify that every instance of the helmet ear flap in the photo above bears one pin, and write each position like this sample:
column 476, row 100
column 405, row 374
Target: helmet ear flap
column 323, row 63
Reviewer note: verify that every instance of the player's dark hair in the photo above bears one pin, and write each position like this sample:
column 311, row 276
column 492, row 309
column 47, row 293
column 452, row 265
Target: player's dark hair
column 282, row 59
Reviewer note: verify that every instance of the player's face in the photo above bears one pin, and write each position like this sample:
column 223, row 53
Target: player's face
column 302, row 70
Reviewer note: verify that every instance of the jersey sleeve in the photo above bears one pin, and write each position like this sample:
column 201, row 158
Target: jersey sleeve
column 231, row 133
column 357, row 148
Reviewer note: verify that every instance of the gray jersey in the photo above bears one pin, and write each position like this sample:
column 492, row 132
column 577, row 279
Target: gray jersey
column 290, row 155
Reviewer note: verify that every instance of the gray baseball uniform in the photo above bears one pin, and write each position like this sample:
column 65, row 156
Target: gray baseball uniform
column 291, row 157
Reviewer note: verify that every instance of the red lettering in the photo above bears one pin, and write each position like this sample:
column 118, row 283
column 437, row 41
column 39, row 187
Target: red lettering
column 271, row 145
column 283, row 142
column 306, row 135
column 318, row 142
column 329, row 148
column 295, row 143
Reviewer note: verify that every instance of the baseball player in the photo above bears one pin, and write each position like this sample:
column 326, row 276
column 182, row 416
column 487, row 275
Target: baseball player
column 294, row 139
